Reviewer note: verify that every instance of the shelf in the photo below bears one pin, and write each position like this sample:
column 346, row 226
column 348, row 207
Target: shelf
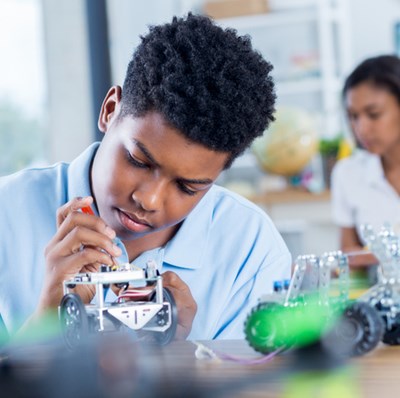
column 267, row 20
column 290, row 196
column 306, row 42
column 302, row 85
column 276, row 18
column 303, row 219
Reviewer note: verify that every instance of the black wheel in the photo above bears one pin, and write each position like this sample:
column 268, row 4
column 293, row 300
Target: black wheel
column 358, row 331
column 164, row 338
column 74, row 320
column 392, row 336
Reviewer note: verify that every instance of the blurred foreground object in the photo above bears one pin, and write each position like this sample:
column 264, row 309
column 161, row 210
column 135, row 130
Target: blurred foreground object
column 103, row 367
column 311, row 308
column 289, row 143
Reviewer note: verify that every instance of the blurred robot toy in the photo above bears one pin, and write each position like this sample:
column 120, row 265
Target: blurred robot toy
column 314, row 307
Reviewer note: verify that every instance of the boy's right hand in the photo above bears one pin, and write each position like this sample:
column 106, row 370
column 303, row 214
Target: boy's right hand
column 82, row 243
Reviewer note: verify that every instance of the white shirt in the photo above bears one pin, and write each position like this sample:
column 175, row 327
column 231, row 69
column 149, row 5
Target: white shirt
column 361, row 194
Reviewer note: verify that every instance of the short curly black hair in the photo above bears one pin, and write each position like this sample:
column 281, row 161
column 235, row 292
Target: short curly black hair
column 206, row 81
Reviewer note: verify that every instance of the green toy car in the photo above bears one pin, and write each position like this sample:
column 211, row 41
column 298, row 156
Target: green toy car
column 313, row 307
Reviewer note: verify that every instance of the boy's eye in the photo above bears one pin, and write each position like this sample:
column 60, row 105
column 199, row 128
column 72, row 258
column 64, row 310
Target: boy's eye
column 185, row 189
column 136, row 162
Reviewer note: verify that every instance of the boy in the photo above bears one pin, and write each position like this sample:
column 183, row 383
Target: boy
column 194, row 98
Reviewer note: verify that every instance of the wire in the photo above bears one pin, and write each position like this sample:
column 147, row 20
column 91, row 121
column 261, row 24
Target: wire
column 204, row 352
column 134, row 294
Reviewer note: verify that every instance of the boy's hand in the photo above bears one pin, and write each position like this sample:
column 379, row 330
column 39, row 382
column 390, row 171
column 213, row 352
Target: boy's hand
column 82, row 243
column 185, row 303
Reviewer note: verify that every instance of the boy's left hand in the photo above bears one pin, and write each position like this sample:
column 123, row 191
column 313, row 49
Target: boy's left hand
column 185, row 303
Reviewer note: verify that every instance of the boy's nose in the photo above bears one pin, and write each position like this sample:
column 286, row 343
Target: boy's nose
column 150, row 195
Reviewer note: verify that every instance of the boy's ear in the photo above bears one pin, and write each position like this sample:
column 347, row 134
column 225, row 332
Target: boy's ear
column 110, row 108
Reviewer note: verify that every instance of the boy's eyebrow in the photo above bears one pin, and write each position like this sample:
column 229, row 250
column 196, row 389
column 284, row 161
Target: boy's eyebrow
column 146, row 152
column 149, row 156
column 206, row 181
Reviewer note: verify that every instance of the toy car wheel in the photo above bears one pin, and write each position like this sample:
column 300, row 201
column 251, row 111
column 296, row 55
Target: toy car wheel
column 164, row 338
column 259, row 331
column 74, row 320
column 358, row 331
column 392, row 336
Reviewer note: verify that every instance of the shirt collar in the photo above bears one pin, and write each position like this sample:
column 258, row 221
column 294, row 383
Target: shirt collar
column 79, row 173
column 187, row 247
column 374, row 173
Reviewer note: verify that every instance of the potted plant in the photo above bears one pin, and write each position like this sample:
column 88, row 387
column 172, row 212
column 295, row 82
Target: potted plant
column 329, row 150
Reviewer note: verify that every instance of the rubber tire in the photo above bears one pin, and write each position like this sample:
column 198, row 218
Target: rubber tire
column 252, row 334
column 80, row 331
column 392, row 336
column 368, row 328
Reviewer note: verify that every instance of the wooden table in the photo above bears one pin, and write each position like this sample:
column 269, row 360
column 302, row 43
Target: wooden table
column 376, row 374
column 290, row 195
column 137, row 371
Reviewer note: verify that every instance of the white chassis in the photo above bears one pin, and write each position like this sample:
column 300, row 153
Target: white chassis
column 154, row 315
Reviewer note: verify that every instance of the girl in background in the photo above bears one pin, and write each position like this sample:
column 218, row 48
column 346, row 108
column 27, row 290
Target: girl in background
column 366, row 186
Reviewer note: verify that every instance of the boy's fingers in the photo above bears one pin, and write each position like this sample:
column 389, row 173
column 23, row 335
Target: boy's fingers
column 186, row 305
column 81, row 237
column 71, row 206
column 79, row 221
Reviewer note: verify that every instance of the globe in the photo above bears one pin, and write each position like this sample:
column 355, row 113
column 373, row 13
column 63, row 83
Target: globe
column 289, row 144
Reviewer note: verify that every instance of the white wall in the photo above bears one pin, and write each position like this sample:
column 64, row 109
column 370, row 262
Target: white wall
column 129, row 19
column 372, row 27
column 67, row 63
column 371, row 33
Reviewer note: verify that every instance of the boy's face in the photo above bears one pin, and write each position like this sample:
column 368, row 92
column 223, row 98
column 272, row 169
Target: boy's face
column 146, row 176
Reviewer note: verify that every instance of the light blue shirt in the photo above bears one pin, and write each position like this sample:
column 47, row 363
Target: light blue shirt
column 227, row 250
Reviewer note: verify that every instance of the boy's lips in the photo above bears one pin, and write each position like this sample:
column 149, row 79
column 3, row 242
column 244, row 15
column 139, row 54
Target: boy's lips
column 133, row 222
